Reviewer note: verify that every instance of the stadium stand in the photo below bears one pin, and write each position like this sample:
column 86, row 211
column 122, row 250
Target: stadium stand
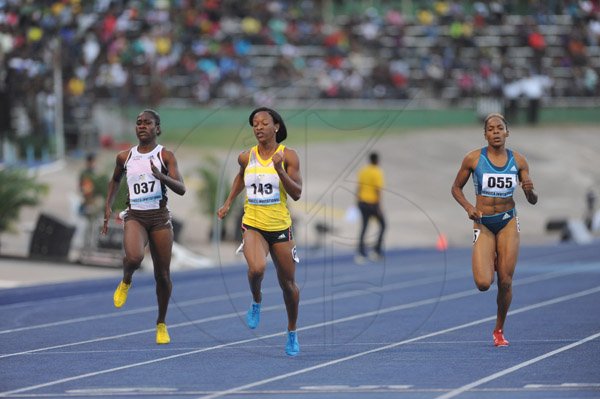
column 215, row 51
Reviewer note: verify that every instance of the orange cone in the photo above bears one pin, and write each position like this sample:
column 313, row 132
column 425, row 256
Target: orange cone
column 442, row 243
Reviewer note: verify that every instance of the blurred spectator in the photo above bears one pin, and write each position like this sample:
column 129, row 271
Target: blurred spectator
column 400, row 73
column 425, row 17
column 435, row 73
column 593, row 29
column 6, row 125
column 497, row 12
column 577, row 49
column 586, row 82
column 482, row 11
column 534, row 86
column 537, row 43
column 511, row 91
column 461, row 31
column 590, row 82
column 465, row 82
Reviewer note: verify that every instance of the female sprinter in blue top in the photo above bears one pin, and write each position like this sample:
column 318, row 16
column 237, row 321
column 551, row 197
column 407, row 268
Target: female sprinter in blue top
column 496, row 171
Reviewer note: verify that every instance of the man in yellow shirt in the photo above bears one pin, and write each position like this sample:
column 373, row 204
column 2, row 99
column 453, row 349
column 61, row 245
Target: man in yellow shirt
column 368, row 196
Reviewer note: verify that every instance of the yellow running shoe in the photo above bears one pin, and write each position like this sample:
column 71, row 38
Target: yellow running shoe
column 120, row 295
column 162, row 335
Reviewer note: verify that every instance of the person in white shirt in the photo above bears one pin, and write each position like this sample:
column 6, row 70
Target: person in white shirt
column 534, row 87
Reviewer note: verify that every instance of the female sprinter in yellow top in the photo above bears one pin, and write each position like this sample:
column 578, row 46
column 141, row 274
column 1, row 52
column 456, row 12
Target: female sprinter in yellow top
column 269, row 172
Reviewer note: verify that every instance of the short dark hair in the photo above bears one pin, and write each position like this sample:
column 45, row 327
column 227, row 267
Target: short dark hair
column 374, row 158
column 281, row 133
column 156, row 118
column 492, row 115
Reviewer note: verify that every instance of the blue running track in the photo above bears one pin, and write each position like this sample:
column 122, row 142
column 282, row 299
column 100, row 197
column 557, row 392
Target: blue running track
column 412, row 326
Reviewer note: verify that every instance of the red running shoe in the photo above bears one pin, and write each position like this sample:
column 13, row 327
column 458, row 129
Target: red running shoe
column 499, row 339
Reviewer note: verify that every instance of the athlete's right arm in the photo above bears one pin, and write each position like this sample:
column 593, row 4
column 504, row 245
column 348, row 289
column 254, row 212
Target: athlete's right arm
column 466, row 168
column 237, row 186
column 113, row 187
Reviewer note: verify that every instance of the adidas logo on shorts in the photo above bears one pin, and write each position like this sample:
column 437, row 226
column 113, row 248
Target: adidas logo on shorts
column 281, row 237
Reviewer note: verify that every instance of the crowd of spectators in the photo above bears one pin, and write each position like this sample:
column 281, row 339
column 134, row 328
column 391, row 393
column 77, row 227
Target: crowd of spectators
column 142, row 51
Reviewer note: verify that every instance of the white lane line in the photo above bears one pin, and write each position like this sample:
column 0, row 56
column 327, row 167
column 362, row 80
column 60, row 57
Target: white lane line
column 216, row 298
column 516, row 367
column 239, row 294
column 396, row 344
column 303, row 390
column 9, row 284
column 569, row 385
column 349, row 294
column 318, row 325
column 302, row 371
column 428, row 263
column 146, row 392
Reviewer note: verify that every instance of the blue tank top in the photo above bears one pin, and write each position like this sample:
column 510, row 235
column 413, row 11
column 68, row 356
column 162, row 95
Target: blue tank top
column 493, row 181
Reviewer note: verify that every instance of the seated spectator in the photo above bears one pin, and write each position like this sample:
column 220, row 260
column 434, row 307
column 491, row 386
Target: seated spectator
column 537, row 42
column 577, row 49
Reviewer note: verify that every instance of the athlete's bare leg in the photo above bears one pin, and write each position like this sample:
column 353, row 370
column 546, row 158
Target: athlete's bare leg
column 255, row 252
column 134, row 243
column 161, row 247
column 507, row 244
column 483, row 258
column 286, row 270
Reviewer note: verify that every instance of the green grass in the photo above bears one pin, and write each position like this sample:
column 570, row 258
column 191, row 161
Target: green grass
column 229, row 128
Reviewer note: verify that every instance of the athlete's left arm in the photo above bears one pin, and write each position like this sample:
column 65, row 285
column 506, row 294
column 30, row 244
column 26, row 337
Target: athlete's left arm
column 290, row 175
column 173, row 179
column 526, row 182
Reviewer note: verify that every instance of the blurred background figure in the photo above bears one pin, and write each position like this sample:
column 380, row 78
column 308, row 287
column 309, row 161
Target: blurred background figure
column 88, row 188
column 591, row 217
column 534, row 87
column 511, row 92
column 368, row 195
column 90, row 205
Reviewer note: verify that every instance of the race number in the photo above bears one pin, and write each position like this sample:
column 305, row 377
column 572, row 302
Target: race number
column 262, row 189
column 143, row 188
column 498, row 185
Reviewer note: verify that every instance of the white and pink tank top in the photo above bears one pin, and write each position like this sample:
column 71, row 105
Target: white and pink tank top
column 145, row 190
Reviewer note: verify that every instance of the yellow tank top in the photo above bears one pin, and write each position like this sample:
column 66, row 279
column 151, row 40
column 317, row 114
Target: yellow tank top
column 370, row 184
column 265, row 207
